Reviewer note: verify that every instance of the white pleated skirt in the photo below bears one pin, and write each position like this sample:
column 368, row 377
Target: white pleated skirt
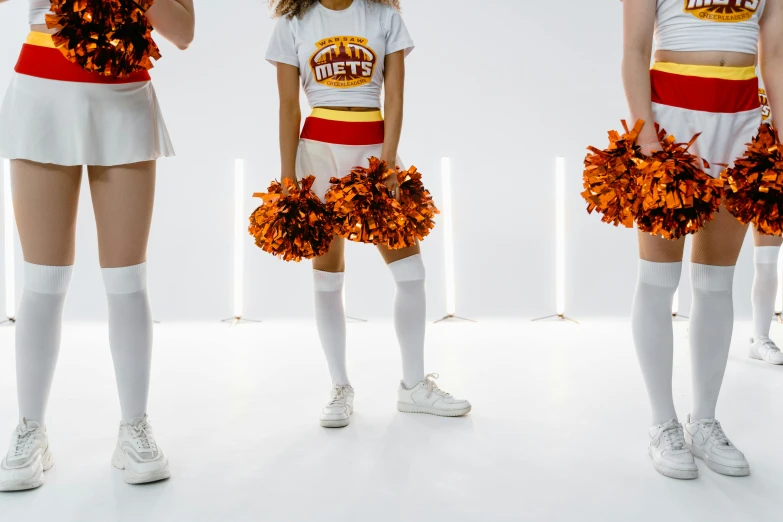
column 72, row 123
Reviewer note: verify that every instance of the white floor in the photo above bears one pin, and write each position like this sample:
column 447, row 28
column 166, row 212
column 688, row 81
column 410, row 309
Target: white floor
column 558, row 430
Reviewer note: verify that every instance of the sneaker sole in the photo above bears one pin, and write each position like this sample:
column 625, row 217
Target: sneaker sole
column 36, row 481
column 118, row 461
column 340, row 423
column 729, row 471
column 416, row 408
column 754, row 355
column 681, row 474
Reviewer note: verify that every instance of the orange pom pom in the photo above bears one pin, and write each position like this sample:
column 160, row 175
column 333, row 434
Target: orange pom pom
column 362, row 208
column 610, row 178
column 417, row 207
column 292, row 227
column 109, row 37
column 754, row 186
column 678, row 197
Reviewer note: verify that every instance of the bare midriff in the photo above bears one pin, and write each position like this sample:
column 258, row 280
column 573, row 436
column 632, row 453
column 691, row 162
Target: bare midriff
column 715, row 58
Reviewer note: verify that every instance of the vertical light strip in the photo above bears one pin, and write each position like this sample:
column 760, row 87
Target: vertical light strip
column 560, row 234
column 239, row 237
column 779, row 297
column 448, row 237
column 8, row 234
column 676, row 303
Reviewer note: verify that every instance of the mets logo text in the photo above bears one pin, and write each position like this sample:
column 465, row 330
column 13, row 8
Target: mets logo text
column 722, row 10
column 343, row 62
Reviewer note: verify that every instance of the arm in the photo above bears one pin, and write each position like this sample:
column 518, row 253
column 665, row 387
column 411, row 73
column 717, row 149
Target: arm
column 290, row 118
column 771, row 54
column 175, row 20
column 638, row 27
column 394, row 78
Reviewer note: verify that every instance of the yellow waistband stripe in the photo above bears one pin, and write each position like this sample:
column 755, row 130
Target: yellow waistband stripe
column 40, row 39
column 707, row 71
column 350, row 116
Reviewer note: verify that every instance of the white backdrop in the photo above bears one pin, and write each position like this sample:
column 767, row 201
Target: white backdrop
column 500, row 86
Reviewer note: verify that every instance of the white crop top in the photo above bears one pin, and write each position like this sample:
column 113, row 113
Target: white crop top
column 340, row 54
column 708, row 25
column 38, row 11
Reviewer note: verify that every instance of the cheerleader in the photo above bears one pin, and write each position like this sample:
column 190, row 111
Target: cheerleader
column 703, row 80
column 56, row 118
column 344, row 52
column 765, row 279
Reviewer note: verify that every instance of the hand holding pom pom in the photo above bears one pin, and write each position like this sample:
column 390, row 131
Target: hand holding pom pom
column 108, row 37
column 418, row 208
column 361, row 206
column 610, row 178
column 295, row 226
column 754, row 185
column 677, row 196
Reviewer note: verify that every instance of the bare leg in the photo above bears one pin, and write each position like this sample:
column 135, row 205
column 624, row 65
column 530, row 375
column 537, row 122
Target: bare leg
column 123, row 198
column 46, row 199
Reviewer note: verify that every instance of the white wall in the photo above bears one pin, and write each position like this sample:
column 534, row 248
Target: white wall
column 500, row 86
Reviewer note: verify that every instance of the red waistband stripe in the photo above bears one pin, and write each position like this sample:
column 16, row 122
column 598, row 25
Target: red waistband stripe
column 717, row 95
column 50, row 64
column 343, row 132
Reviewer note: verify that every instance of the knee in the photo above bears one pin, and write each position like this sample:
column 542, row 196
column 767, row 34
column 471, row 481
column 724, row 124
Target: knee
column 126, row 279
column 408, row 269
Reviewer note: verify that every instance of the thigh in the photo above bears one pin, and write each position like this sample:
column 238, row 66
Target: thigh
column 46, row 199
column 760, row 239
column 334, row 260
column 122, row 199
column 390, row 256
column 719, row 241
column 659, row 250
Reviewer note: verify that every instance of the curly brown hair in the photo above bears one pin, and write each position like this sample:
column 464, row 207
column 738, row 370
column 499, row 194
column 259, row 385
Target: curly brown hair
column 296, row 8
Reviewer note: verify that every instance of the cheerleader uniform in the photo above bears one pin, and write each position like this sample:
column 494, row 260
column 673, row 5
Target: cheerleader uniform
column 56, row 112
column 340, row 56
column 722, row 104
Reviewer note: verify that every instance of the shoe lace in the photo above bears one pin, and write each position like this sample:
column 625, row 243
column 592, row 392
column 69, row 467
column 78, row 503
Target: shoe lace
column 339, row 394
column 142, row 432
column 673, row 434
column 716, row 433
column 429, row 382
column 24, row 437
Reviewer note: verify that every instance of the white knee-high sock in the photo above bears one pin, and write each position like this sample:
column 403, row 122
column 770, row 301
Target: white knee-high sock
column 130, row 335
column 330, row 321
column 712, row 321
column 410, row 309
column 651, row 322
column 765, row 286
column 38, row 329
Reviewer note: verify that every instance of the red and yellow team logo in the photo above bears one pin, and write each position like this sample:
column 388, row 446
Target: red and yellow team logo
column 766, row 111
column 722, row 10
column 343, row 62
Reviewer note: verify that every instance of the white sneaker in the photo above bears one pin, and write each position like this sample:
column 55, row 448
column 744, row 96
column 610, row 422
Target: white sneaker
column 765, row 349
column 337, row 412
column 706, row 440
column 27, row 459
column 668, row 452
column 426, row 397
column 138, row 454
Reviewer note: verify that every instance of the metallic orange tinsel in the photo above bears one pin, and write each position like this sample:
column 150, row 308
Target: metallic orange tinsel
column 418, row 208
column 678, row 197
column 362, row 208
column 610, row 178
column 292, row 227
column 108, row 37
column 754, row 186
